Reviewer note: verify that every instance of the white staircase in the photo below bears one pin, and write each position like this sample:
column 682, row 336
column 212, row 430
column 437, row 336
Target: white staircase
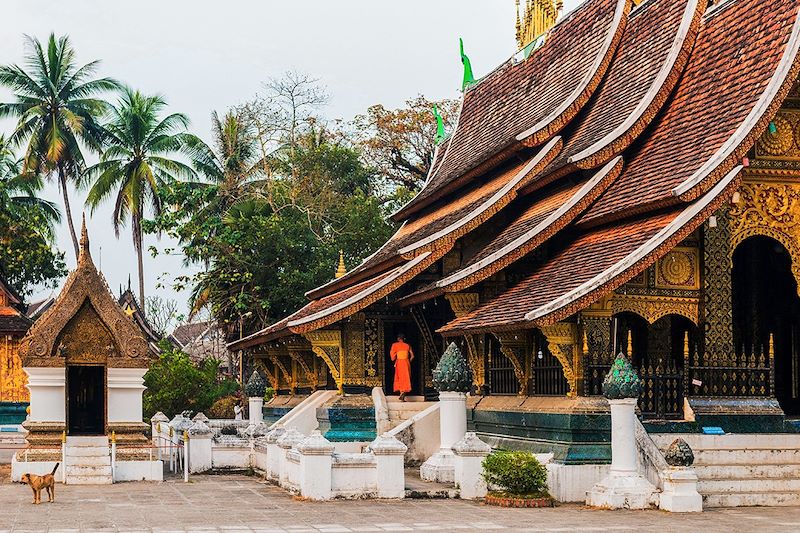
column 399, row 411
column 88, row 461
column 746, row 469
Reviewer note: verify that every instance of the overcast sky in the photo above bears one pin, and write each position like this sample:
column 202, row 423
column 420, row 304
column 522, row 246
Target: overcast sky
column 205, row 55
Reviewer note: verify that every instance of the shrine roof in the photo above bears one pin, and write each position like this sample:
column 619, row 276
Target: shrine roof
column 742, row 67
column 590, row 264
column 438, row 229
column 525, row 103
column 653, row 52
column 549, row 212
column 14, row 323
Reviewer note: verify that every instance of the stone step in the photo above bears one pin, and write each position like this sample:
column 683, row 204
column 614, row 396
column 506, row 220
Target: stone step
column 101, row 440
column 87, row 451
column 91, row 471
column 89, row 480
column 750, row 499
column 732, row 441
column 746, row 456
column 754, row 471
column 719, row 486
column 93, row 460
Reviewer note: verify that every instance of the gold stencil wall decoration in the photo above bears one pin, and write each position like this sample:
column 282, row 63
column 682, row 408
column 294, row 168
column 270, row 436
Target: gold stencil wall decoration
column 679, row 269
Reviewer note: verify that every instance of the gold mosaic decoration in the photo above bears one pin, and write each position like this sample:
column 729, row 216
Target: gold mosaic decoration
column 783, row 142
column 562, row 341
column 12, row 378
column 327, row 344
column 85, row 288
column 651, row 308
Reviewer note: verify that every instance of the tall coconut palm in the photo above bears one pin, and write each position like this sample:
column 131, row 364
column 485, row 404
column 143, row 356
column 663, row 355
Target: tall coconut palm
column 18, row 194
column 137, row 162
column 56, row 108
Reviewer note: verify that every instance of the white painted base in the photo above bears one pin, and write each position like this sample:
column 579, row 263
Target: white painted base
column 570, row 483
column 440, row 467
column 680, row 491
column 622, row 491
column 18, row 468
column 139, row 471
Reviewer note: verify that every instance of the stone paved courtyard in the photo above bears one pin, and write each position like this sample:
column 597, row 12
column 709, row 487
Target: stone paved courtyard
column 239, row 503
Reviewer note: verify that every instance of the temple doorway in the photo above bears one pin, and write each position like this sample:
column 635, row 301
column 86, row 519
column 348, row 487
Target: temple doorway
column 86, row 402
column 765, row 303
column 390, row 332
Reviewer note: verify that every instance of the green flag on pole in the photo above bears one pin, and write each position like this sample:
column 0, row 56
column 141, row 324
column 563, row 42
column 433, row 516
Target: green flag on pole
column 469, row 78
column 440, row 134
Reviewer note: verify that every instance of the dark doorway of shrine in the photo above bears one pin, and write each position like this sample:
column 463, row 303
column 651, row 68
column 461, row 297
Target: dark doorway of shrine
column 86, row 403
column 659, row 352
column 390, row 332
column 765, row 303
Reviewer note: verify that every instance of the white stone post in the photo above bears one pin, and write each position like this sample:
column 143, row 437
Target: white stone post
column 315, row 466
column 200, row 459
column 624, row 487
column 680, row 491
column 440, row 467
column 255, row 409
column 286, row 442
column 469, row 455
column 390, row 458
column 157, row 423
column 274, row 452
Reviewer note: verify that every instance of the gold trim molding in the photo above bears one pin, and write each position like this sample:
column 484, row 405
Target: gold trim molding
column 652, row 308
column 327, row 344
column 562, row 341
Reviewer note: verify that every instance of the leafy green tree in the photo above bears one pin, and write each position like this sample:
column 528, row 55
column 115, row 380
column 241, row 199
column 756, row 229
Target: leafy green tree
column 27, row 258
column 175, row 383
column 56, row 110
column 137, row 162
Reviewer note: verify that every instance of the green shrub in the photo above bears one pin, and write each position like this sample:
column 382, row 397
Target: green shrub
column 223, row 408
column 269, row 394
column 517, row 473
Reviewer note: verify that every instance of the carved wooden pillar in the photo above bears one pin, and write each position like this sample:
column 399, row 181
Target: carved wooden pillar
column 562, row 340
column 462, row 303
column 514, row 345
column 280, row 368
column 299, row 353
column 270, row 374
column 717, row 299
column 327, row 344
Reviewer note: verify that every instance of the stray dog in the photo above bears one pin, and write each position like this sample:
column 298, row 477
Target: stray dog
column 37, row 483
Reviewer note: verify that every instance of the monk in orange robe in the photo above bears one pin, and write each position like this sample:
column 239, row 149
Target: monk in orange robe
column 402, row 355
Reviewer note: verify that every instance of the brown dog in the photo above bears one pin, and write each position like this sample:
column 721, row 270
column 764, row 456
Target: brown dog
column 37, row 483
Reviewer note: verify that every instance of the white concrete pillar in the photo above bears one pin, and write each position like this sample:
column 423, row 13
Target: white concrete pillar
column 625, row 487
column 315, row 466
column 255, row 410
column 470, row 453
column 200, row 458
column 440, row 467
column 680, row 491
column 274, row 452
column 48, row 387
column 390, row 460
column 125, row 388
column 286, row 442
column 623, row 436
column 157, row 427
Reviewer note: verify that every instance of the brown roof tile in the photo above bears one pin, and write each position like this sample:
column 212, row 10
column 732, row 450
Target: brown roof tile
column 741, row 68
column 525, row 103
column 591, row 264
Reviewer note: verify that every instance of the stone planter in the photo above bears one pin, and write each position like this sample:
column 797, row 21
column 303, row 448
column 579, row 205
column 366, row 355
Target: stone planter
column 500, row 499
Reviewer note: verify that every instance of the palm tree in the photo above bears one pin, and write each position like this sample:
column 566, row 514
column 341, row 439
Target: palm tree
column 137, row 163
column 18, row 194
column 57, row 109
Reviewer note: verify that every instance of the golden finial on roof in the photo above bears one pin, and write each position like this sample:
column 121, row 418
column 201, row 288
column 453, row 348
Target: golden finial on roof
column 341, row 270
column 536, row 18
column 84, row 241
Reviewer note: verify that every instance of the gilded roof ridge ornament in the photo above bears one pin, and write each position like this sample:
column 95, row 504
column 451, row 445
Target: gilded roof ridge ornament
column 341, row 270
column 84, row 245
column 537, row 17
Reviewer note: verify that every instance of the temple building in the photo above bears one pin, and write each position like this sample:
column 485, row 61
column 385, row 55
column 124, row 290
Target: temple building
column 630, row 183
column 13, row 325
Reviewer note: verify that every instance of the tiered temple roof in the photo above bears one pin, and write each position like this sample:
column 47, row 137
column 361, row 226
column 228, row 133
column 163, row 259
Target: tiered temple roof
column 609, row 144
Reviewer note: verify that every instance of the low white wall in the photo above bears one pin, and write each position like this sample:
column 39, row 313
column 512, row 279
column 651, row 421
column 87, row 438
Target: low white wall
column 18, row 468
column 420, row 434
column 139, row 471
column 354, row 475
column 303, row 417
column 569, row 483
column 230, row 456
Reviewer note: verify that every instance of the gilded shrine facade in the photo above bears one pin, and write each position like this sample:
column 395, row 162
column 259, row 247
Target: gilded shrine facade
column 629, row 183
column 13, row 325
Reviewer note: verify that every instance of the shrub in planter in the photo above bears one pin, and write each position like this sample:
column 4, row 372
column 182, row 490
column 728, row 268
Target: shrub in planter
column 522, row 478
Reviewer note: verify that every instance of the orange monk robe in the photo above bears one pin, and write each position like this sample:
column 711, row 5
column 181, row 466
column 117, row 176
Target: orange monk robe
column 401, row 354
